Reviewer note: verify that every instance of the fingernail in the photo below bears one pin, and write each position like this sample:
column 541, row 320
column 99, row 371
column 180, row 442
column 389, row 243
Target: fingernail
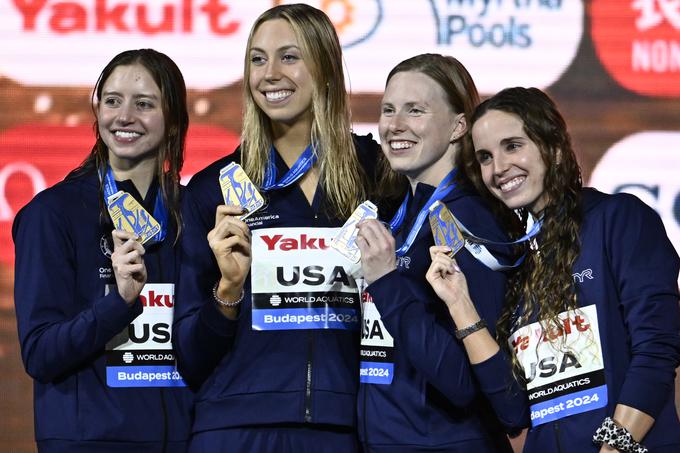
column 455, row 267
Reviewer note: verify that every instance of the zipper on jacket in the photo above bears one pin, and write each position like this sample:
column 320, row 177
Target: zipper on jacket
column 557, row 437
column 308, row 383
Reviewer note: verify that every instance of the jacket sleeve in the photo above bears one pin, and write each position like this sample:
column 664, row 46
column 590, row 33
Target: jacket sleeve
column 498, row 384
column 645, row 267
column 202, row 335
column 57, row 331
column 424, row 337
column 487, row 290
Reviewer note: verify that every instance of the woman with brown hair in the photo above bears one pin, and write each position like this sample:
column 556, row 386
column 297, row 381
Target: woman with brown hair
column 418, row 391
column 591, row 319
column 99, row 350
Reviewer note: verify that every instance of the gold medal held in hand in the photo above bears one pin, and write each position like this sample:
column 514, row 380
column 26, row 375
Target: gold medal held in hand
column 445, row 229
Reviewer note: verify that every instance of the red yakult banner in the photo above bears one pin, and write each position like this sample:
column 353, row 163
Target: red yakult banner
column 638, row 41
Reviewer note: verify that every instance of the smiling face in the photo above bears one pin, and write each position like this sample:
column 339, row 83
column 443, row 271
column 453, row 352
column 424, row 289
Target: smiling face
column 417, row 128
column 279, row 79
column 130, row 116
column 511, row 164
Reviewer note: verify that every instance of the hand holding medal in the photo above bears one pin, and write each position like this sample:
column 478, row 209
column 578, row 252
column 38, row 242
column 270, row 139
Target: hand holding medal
column 127, row 261
column 230, row 239
column 377, row 246
column 345, row 241
column 445, row 276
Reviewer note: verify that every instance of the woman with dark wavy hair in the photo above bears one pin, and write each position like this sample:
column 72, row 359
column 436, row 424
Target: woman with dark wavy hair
column 94, row 306
column 591, row 318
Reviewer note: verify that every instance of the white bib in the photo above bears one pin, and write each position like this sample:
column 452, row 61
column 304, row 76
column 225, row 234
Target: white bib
column 564, row 369
column 377, row 346
column 298, row 282
column 142, row 355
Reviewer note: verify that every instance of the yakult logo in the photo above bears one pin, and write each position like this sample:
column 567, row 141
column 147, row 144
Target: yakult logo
column 301, row 242
column 127, row 17
column 202, row 36
column 648, row 32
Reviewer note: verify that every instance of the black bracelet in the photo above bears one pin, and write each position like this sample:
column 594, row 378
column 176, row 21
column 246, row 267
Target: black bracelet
column 462, row 333
column 224, row 303
column 618, row 437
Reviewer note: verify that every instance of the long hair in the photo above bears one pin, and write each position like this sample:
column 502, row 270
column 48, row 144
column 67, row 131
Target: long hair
column 461, row 95
column 170, row 159
column 343, row 180
column 543, row 287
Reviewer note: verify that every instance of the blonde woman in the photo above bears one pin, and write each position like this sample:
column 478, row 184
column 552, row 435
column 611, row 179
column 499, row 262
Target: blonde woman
column 267, row 318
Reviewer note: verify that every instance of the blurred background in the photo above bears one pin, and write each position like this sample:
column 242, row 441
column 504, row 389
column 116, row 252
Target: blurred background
column 613, row 66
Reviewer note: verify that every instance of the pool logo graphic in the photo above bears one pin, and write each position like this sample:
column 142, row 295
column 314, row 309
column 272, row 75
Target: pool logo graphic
column 128, row 357
column 501, row 42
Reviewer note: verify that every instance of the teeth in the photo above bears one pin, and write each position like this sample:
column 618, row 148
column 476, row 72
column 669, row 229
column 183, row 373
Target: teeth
column 514, row 182
column 126, row 134
column 401, row 145
column 277, row 95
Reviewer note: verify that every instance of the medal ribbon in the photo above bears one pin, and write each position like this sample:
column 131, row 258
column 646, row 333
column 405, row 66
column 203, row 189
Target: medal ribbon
column 475, row 245
column 443, row 189
column 306, row 160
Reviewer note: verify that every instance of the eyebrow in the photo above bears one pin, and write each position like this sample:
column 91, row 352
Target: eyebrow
column 507, row 140
column 280, row 49
column 136, row 96
column 408, row 104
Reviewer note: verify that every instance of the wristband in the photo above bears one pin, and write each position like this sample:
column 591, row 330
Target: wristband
column 618, row 437
column 224, row 303
column 462, row 333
